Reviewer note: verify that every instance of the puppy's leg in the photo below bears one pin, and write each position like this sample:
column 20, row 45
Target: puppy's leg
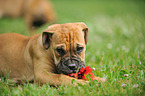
column 56, row 79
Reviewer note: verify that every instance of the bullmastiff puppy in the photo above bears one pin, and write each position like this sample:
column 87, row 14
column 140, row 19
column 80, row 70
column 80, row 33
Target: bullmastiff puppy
column 35, row 12
column 47, row 57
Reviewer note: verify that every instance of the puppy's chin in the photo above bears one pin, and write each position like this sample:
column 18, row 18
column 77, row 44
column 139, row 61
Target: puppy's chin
column 64, row 70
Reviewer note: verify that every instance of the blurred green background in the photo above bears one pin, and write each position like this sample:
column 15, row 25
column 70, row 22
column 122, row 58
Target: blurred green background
column 116, row 46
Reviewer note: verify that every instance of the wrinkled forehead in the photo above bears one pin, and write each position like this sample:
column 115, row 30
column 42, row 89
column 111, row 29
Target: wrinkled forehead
column 68, row 34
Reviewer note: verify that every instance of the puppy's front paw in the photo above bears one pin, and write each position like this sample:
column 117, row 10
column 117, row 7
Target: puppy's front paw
column 78, row 81
column 99, row 79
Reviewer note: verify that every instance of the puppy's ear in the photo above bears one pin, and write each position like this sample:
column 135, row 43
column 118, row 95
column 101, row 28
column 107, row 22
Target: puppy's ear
column 46, row 38
column 85, row 29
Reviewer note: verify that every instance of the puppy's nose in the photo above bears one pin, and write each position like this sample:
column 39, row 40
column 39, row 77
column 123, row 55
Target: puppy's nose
column 72, row 66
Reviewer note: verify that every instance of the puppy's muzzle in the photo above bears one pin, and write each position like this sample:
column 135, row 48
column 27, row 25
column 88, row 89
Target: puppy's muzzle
column 38, row 23
column 70, row 65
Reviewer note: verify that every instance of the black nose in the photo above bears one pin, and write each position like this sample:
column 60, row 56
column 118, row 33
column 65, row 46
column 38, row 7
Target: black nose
column 72, row 66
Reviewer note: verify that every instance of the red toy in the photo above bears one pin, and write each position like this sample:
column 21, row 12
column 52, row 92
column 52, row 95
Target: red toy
column 83, row 71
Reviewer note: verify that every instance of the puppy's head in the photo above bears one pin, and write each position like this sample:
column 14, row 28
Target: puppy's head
column 42, row 11
column 67, row 43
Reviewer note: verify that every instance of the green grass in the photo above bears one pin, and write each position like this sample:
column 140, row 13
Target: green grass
column 116, row 47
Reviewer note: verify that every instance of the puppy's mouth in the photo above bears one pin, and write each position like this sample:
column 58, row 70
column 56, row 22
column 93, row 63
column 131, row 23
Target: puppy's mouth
column 70, row 66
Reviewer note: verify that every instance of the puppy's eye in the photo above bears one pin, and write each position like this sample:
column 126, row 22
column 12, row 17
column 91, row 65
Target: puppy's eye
column 79, row 49
column 60, row 51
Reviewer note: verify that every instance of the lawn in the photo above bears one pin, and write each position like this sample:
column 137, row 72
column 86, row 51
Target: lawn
column 116, row 48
